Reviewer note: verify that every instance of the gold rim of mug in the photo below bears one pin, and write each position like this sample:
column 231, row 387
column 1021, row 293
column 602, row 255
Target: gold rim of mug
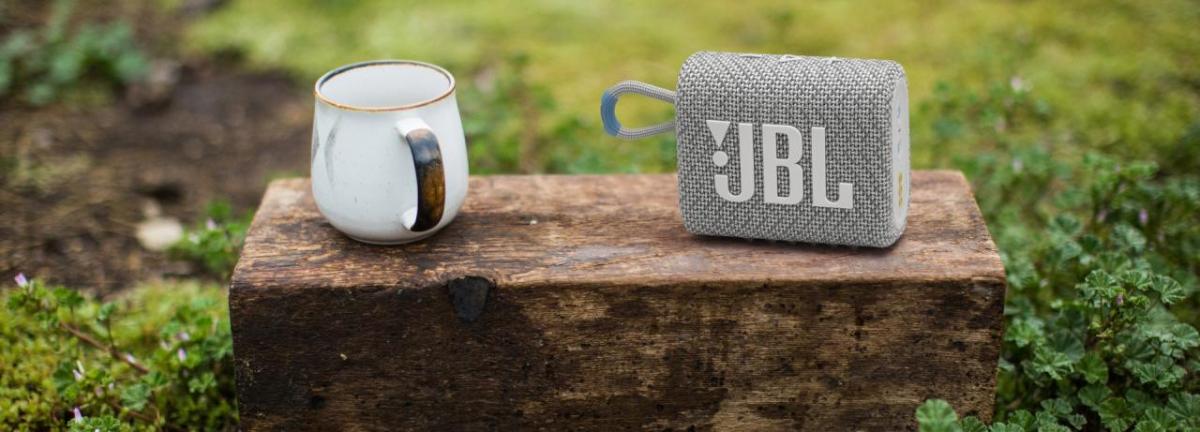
column 334, row 73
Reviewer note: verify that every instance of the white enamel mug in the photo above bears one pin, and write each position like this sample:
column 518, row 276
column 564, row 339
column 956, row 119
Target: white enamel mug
column 389, row 160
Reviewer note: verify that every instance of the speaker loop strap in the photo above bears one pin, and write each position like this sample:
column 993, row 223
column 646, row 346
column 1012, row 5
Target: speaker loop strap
column 608, row 109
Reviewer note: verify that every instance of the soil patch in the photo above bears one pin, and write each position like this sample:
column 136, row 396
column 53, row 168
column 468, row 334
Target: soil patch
column 76, row 182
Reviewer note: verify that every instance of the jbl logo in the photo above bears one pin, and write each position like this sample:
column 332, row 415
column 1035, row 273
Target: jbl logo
column 772, row 163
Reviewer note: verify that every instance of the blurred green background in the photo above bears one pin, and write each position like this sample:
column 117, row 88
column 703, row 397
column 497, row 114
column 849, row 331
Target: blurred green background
column 1077, row 123
column 1115, row 76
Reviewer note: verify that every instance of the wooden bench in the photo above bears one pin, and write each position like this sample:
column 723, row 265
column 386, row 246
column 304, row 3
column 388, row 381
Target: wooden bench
column 580, row 303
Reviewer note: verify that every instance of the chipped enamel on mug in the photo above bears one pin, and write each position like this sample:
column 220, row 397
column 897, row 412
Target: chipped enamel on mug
column 389, row 159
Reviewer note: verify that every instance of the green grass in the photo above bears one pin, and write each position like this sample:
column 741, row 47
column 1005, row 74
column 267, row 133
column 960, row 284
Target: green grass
column 157, row 357
column 1102, row 251
column 1118, row 76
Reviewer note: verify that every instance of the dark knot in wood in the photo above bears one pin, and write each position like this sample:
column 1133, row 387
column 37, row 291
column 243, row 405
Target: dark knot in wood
column 469, row 296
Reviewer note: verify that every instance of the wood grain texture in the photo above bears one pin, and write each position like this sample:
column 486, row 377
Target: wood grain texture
column 580, row 303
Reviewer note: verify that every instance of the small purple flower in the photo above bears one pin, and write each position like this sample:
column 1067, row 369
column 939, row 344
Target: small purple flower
column 78, row 415
column 1143, row 216
column 1017, row 83
column 210, row 224
column 22, row 281
column 1120, row 299
column 184, row 336
column 182, row 354
column 129, row 358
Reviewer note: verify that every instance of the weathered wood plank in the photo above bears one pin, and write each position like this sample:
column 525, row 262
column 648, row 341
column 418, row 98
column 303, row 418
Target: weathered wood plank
column 579, row 302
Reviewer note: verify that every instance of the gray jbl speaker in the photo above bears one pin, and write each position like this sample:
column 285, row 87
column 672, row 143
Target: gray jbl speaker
column 783, row 147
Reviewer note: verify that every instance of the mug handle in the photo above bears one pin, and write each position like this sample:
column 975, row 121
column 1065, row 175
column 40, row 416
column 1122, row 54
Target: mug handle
column 431, row 175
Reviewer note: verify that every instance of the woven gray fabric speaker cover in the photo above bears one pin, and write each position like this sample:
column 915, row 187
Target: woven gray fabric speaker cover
column 862, row 106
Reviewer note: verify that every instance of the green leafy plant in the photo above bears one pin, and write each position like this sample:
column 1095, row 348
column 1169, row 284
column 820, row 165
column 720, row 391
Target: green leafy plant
column 216, row 244
column 43, row 64
column 1102, row 262
column 157, row 357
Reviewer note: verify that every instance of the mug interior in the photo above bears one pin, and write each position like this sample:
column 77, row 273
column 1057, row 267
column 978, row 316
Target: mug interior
column 385, row 85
